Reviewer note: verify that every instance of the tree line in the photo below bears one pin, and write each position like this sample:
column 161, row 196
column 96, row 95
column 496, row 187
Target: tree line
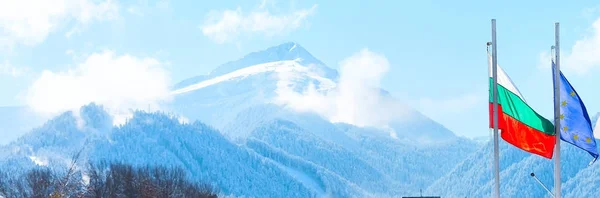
column 103, row 180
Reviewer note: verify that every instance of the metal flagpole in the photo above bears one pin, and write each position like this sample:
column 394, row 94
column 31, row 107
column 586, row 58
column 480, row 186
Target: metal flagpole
column 557, row 192
column 541, row 184
column 495, row 110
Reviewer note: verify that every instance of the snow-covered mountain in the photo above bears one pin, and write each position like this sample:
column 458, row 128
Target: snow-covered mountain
column 279, row 158
column 256, row 79
column 245, row 112
column 252, row 80
column 245, row 144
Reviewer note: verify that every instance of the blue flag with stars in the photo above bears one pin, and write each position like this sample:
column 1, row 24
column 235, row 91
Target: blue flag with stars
column 575, row 124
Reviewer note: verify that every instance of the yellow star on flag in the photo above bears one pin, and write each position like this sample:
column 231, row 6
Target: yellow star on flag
column 564, row 103
column 565, row 128
column 575, row 137
column 588, row 140
column 562, row 116
column 572, row 93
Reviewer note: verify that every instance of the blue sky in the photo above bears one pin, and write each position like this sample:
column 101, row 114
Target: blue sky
column 436, row 49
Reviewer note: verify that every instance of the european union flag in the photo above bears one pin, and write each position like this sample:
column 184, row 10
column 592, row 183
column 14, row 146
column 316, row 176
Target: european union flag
column 575, row 124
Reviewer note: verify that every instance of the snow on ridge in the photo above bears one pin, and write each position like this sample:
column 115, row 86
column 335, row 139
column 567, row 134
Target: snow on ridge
column 38, row 161
column 277, row 66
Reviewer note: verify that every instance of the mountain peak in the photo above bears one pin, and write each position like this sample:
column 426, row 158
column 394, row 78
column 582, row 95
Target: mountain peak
column 289, row 46
column 289, row 50
column 282, row 52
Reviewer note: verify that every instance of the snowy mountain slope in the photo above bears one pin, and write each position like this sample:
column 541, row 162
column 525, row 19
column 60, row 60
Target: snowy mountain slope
column 276, row 67
column 207, row 155
column 190, row 81
column 312, row 175
column 218, row 105
column 158, row 139
column 407, row 167
column 290, row 138
column 482, row 140
column 419, row 128
column 250, row 119
column 54, row 143
column 473, row 176
column 584, row 183
column 218, row 99
column 413, row 166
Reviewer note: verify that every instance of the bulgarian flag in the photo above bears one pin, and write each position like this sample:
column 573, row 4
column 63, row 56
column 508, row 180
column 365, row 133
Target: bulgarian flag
column 518, row 123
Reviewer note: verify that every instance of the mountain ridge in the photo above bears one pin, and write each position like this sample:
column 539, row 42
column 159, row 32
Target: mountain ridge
column 315, row 166
column 283, row 52
column 257, row 84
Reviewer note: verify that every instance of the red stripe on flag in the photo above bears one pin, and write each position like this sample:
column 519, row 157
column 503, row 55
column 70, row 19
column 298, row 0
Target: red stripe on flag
column 522, row 136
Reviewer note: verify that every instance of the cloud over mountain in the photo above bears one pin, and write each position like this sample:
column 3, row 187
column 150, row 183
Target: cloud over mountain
column 119, row 82
column 356, row 99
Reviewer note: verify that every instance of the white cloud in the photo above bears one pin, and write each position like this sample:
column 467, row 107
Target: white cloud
column 580, row 58
column 9, row 70
column 30, row 21
column 227, row 25
column 356, row 99
column 118, row 82
column 585, row 53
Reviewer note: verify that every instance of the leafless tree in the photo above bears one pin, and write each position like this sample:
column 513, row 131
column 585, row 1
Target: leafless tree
column 66, row 185
column 105, row 180
column 97, row 186
column 40, row 181
column 126, row 181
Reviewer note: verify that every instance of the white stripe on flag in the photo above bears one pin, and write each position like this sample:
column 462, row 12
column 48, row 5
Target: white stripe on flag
column 503, row 79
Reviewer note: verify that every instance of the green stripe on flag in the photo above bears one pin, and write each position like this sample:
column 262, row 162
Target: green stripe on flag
column 515, row 107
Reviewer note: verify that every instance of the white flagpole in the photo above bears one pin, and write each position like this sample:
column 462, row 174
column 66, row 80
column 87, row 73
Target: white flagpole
column 495, row 111
column 557, row 192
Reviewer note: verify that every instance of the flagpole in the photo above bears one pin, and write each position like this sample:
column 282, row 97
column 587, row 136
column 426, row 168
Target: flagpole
column 495, row 111
column 557, row 190
column 541, row 184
